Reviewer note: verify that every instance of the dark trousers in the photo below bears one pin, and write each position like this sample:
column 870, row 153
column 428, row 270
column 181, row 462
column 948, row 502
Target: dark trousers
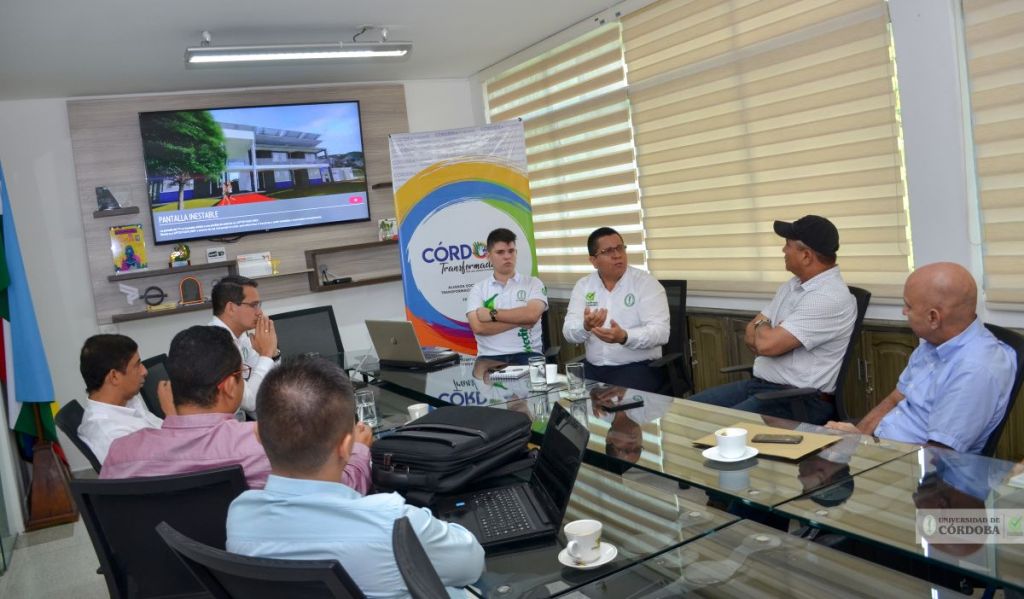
column 520, row 359
column 637, row 375
column 739, row 395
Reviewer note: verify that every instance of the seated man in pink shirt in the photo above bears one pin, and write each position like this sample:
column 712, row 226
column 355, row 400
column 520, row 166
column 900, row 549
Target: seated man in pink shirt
column 207, row 381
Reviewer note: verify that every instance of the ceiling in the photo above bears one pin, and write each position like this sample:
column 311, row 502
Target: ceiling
column 67, row 48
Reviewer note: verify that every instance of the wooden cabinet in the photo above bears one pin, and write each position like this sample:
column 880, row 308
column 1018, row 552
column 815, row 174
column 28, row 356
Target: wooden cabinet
column 716, row 346
column 554, row 318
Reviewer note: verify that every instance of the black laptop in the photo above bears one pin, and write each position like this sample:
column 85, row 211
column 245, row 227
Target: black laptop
column 527, row 510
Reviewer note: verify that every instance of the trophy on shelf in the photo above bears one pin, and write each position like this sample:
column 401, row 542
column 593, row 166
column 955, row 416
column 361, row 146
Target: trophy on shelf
column 106, row 200
column 180, row 256
column 191, row 291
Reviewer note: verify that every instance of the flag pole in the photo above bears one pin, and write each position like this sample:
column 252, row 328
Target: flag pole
column 50, row 500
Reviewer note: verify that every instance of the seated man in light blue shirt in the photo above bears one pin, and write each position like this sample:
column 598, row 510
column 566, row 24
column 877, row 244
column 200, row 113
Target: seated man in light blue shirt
column 306, row 419
column 953, row 392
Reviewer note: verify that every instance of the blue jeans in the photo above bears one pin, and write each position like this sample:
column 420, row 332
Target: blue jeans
column 740, row 396
column 637, row 375
column 521, row 359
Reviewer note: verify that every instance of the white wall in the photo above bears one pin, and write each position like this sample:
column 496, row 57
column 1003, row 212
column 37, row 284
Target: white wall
column 35, row 150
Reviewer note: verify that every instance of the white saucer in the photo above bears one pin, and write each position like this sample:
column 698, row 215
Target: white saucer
column 608, row 553
column 711, row 453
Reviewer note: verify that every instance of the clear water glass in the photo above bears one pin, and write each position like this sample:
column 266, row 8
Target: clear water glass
column 576, row 380
column 366, row 407
column 538, row 373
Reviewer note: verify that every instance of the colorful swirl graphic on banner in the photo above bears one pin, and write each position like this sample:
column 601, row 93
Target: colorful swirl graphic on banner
column 438, row 188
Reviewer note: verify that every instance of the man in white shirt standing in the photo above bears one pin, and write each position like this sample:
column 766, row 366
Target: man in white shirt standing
column 621, row 314
column 504, row 310
column 113, row 374
column 236, row 307
column 800, row 338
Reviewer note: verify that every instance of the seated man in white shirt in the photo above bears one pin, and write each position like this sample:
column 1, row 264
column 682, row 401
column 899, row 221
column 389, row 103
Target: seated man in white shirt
column 621, row 314
column 306, row 419
column 236, row 307
column 800, row 338
column 113, row 374
column 504, row 310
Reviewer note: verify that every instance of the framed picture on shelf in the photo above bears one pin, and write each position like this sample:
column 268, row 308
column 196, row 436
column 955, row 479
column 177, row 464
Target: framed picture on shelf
column 128, row 248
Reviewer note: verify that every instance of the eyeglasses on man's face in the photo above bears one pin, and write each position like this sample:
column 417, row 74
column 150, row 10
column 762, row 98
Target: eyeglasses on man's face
column 244, row 370
column 254, row 305
column 611, row 251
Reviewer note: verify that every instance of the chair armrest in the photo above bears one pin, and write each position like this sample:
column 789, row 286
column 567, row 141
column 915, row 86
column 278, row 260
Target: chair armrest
column 576, row 359
column 739, row 368
column 665, row 360
column 786, row 393
column 552, row 352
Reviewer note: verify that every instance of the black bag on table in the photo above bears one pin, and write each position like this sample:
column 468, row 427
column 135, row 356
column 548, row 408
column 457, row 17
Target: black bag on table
column 450, row 449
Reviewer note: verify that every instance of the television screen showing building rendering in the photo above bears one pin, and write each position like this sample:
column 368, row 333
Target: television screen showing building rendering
column 228, row 171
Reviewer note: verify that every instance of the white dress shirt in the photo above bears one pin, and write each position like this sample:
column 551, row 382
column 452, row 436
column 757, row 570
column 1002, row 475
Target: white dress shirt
column 637, row 303
column 516, row 293
column 102, row 423
column 260, row 365
column 820, row 313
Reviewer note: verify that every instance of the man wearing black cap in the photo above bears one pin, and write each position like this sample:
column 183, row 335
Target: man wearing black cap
column 800, row 338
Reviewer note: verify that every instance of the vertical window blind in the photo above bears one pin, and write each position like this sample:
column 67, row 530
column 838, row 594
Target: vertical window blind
column 754, row 110
column 994, row 40
column 579, row 145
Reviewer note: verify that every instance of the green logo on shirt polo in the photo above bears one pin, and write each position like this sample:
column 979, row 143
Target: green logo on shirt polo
column 591, row 298
column 630, row 300
column 521, row 295
column 489, row 302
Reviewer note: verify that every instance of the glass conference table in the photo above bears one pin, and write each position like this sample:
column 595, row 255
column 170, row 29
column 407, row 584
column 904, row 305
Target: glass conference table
column 880, row 507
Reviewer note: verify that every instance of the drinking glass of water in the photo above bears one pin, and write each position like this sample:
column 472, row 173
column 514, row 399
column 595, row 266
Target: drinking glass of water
column 366, row 407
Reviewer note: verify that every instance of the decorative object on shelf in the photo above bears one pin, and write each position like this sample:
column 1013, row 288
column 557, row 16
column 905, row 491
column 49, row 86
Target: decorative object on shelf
column 128, row 248
column 180, row 256
column 131, row 293
column 191, row 291
column 216, row 254
column 387, row 229
column 275, row 266
column 255, row 265
column 162, row 307
column 154, row 296
column 106, row 200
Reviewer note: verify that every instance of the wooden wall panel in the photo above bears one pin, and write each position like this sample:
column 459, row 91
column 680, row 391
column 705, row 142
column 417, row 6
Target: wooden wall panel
column 107, row 150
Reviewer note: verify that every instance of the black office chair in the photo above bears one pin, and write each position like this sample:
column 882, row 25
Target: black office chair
column 232, row 576
column 313, row 330
column 121, row 517
column 550, row 349
column 157, row 371
column 418, row 573
column 676, row 357
column 799, row 395
column 68, row 419
column 1016, row 341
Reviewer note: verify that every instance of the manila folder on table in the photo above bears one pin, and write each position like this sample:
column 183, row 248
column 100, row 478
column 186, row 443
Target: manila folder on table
column 811, row 442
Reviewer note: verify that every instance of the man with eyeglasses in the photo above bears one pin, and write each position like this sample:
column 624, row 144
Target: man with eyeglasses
column 621, row 313
column 207, row 381
column 236, row 307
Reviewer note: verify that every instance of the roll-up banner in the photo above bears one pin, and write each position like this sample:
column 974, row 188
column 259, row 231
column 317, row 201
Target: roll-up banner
column 452, row 188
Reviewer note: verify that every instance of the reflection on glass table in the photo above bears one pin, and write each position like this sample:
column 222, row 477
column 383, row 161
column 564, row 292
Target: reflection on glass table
column 659, row 435
column 884, row 506
column 639, row 520
column 747, row 560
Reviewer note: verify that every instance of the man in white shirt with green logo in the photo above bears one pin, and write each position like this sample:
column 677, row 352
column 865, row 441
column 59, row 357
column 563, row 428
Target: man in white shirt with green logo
column 504, row 310
column 621, row 314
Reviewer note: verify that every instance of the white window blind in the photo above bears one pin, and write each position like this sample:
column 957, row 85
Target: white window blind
column 995, row 61
column 754, row 110
column 579, row 148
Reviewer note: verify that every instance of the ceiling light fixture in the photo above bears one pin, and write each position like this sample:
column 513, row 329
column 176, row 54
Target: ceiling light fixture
column 209, row 55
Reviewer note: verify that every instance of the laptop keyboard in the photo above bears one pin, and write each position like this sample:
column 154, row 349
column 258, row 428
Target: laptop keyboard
column 500, row 513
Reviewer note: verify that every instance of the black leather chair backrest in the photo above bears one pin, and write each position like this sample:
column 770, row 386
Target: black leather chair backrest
column 157, row 371
column 1016, row 341
column 680, row 373
column 68, row 418
column 863, row 297
column 121, row 517
column 313, row 330
column 418, row 573
column 231, row 576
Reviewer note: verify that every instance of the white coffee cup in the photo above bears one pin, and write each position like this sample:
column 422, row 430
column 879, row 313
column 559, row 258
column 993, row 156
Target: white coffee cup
column 418, row 410
column 552, row 373
column 584, row 541
column 732, row 442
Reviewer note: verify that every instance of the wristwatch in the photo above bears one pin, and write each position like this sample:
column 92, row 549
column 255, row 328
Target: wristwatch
column 494, row 315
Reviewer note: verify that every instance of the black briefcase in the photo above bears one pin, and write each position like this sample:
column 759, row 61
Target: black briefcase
column 450, row 448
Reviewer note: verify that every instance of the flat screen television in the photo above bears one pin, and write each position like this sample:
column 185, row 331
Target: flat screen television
column 228, row 171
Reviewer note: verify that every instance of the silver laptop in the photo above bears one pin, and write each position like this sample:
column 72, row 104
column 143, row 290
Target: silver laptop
column 398, row 347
